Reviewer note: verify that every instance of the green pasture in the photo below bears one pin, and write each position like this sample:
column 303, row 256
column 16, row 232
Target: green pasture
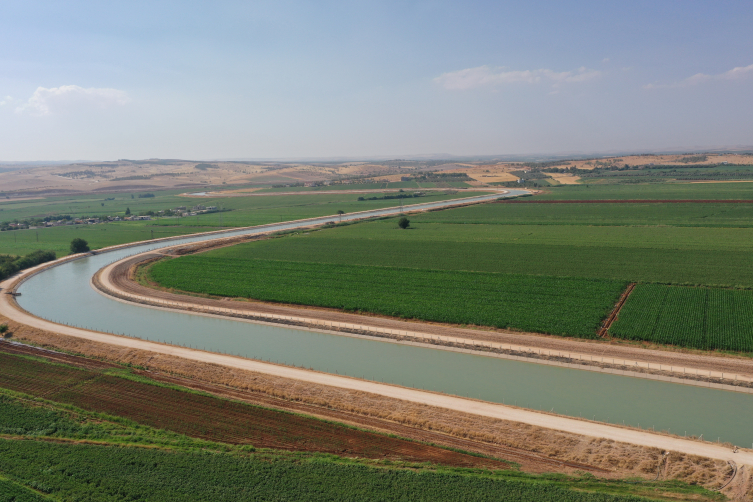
column 646, row 237
column 713, row 256
column 677, row 190
column 95, row 205
column 666, row 173
column 607, row 214
column 245, row 211
column 58, row 239
column 92, row 204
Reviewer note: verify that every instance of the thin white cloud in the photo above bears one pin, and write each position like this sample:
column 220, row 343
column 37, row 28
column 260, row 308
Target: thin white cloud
column 737, row 73
column 487, row 76
column 46, row 101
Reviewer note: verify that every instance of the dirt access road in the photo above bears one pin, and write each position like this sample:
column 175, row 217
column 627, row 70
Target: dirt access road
column 10, row 309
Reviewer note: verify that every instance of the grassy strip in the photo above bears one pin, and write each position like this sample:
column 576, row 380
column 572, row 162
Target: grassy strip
column 562, row 306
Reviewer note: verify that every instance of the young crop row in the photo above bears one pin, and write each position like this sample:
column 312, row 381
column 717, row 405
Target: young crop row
column 21, row 375
column 708, row 256
column 562, row 306
column 702, row 318
column 12, row 492
column 23, row 420
column 87, row 472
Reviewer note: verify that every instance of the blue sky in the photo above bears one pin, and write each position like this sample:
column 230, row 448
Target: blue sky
column 285, row 79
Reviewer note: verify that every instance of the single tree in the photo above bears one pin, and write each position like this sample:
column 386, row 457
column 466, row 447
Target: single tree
column 341, row 213
column 403, row 223
column 128, row 211
column 79, row 245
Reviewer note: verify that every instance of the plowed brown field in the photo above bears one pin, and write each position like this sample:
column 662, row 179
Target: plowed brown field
column 214, row 419
column 529, row 461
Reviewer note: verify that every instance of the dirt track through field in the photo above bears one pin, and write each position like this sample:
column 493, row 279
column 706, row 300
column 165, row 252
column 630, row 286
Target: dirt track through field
column 616, row 311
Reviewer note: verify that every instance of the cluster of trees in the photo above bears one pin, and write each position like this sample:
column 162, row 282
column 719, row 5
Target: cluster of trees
column 10, row 264
column 440, row 177
column 399, row 195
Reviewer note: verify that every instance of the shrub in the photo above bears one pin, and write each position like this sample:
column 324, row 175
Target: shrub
column 79, row 245
column 10, row 266
column 403, row 223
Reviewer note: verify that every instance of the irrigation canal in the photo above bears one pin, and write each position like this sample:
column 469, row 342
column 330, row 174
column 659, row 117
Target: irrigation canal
column 63, row 294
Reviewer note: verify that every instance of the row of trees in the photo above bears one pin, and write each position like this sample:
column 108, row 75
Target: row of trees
column 9, row 264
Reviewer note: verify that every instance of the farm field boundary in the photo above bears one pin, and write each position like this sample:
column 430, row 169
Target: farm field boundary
column 113, row 281
column 608, row 322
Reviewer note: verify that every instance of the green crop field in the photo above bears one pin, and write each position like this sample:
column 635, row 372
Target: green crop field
column 608, row 214
column 680, row 255
column 661, row 173
column 13, row 492
column 244, row 211
column 679, row 190
column 88, row 472
column 563, row 306
column 702, row 318
column 669, row 243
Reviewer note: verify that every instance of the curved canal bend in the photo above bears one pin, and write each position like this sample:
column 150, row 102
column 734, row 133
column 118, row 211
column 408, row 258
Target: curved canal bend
column 63, row 294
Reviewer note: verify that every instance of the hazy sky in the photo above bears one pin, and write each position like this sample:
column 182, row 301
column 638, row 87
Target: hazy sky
column 197, row 79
